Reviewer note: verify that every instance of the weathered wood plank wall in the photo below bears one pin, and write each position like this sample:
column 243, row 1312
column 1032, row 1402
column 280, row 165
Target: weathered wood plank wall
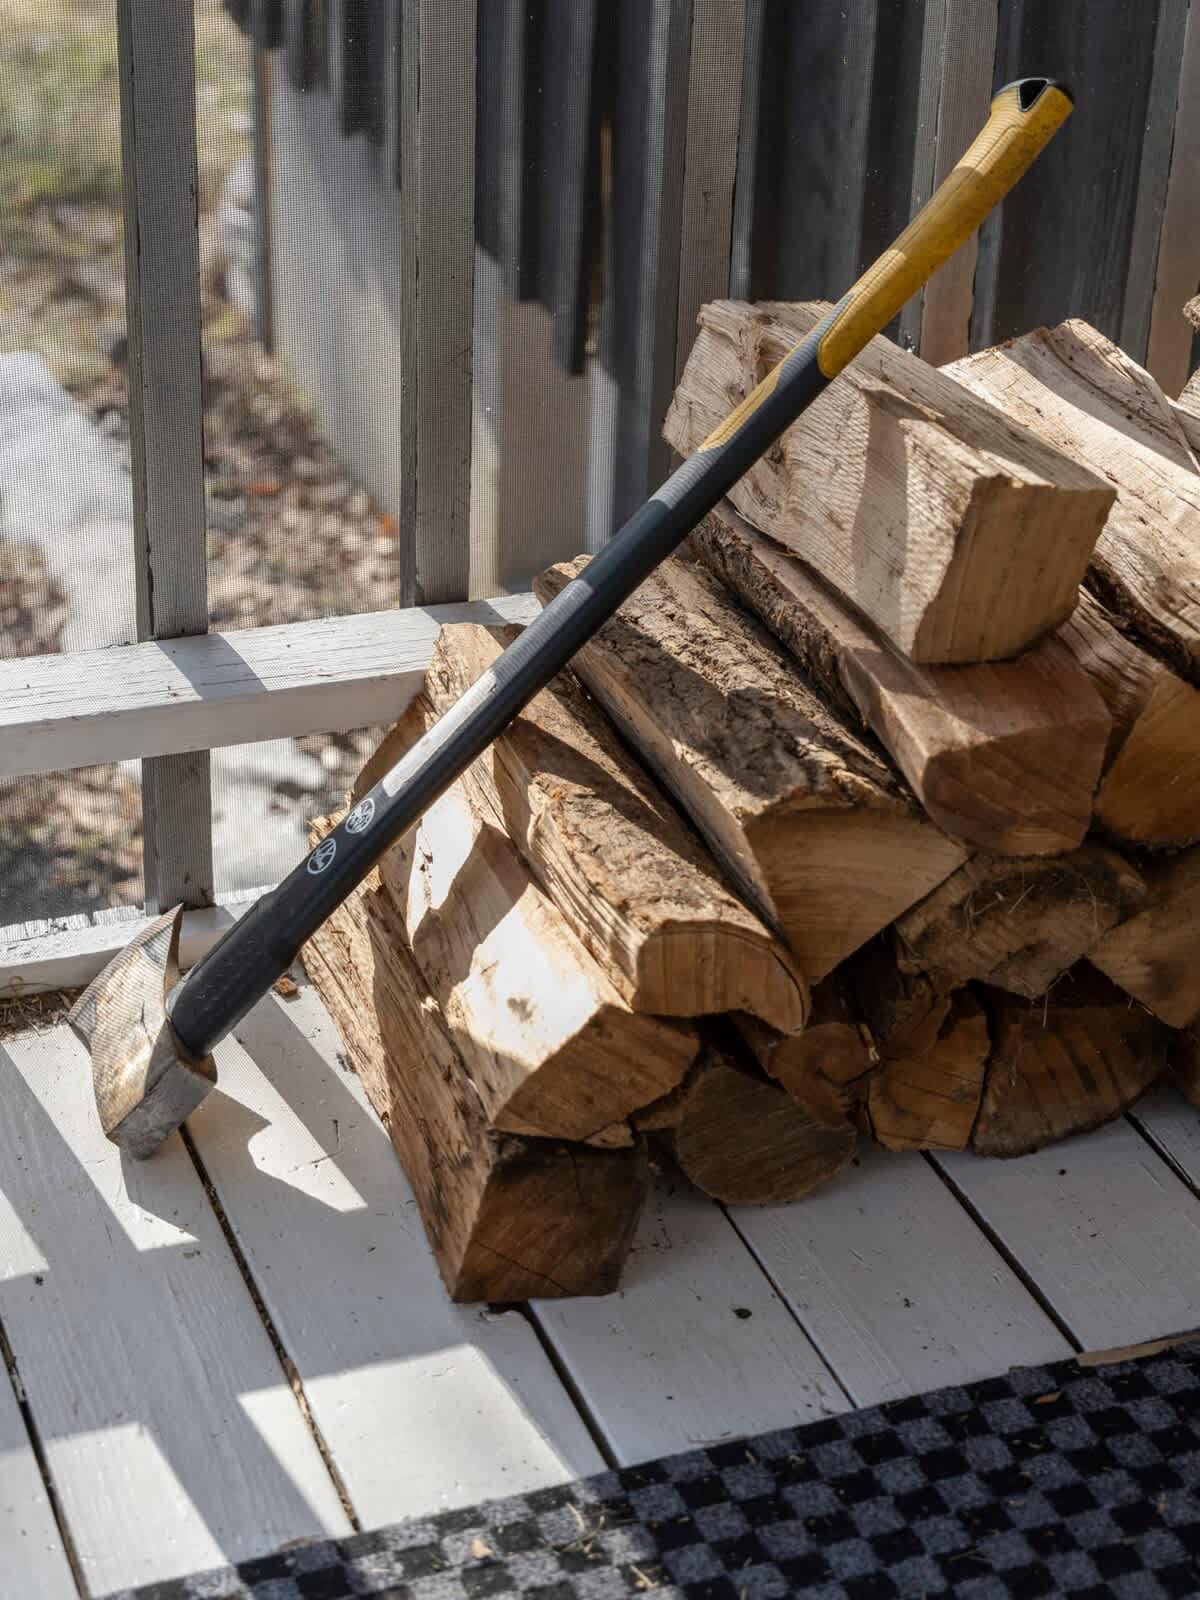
column 633, row 159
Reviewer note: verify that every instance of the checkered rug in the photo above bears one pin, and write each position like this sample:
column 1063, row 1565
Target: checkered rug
column 1049, row 1481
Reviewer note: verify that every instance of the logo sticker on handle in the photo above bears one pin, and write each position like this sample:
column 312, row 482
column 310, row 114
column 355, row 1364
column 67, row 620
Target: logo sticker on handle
column 361, row 818
column 322, row 856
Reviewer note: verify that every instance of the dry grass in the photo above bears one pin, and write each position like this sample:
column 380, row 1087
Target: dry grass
column 61, row 272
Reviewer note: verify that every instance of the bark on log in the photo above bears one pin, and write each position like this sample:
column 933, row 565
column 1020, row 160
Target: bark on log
column 1019, row 923
column 1063, row 1064
column 1150, row 791
column 551, row 1046
column 961, row 536
column 1152, row 955
column 827, row 1067
column 1004, row 755
column 745, row 1141
column 614, row 855
column 930, row 1100
column 1085, row 396
column 507, row 1218
column 808, row 819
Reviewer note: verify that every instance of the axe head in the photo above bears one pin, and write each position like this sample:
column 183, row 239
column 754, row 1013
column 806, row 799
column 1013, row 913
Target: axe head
column 146, row 1080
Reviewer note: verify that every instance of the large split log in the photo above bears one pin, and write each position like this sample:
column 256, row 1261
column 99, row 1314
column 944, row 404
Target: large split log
column 614, row 855
column 1153, row 954
column 826, row 1067
column 551, row 1046
column 745, row 1141
column 1150, row 791
column 960, row 535
column 1063, row 1064
column 1085, row 396
column 1019, row 922
column 810, row 822
column 507, row 1217
column 1002, row 754
column 929, row 1099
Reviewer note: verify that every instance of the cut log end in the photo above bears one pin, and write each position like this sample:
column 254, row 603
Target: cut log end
column 929, row 1101
column 1020, row 923
column 1064, row 1064
column 746, row 1141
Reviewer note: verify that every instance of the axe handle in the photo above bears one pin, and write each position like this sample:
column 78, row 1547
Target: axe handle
column 239, row 969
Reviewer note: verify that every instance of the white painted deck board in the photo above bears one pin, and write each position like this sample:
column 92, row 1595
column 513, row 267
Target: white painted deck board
column 1108, row 1234
column 32, row 1559
column 897, row 1286
column 672, row 1360
column 173, row 695
column 151, row 1380
column 1173, row 1127
column 172, row 1436
column 423, row 1405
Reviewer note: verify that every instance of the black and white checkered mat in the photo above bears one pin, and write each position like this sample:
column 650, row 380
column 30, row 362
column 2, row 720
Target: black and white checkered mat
column 1049, row 1481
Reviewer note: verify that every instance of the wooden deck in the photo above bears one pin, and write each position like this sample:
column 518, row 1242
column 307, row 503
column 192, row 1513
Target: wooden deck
column 245, row 1342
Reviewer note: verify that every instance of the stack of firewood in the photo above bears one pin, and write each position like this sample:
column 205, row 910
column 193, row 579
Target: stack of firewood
column 872, row 815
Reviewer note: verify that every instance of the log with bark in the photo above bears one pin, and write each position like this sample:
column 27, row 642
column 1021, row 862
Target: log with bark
column 744, row 1140
column 808, row 819
column 1019, row 922
column 613, row 854
column 1004, row 755
column 1083, row 395
column 1150, row 791
column 961, row 536
column 1063, row 1064
column 1152, row 955
column 507, row 1217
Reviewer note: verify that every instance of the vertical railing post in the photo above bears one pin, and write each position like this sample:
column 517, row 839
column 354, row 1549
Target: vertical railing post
column 715, row 74
column 437, row 267
column 1177, row 276
column 958, row 49
column 156, row 51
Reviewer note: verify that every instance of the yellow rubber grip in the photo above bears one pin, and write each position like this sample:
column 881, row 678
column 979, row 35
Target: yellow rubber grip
column 1007, row 145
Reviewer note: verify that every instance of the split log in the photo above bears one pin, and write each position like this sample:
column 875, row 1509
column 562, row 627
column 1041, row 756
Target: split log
column 551, row 1047
column 825, row 1068
column 1003, row 754
column 745, row 1141
column 930, row 1100
column 1063, row 1064
column 1150, row 792
column 810, row 822
column 1153, row 954
column 614, row 855
column 507, row 1217
column 961, row 536
column 1019, row 923
column 1085, row 396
